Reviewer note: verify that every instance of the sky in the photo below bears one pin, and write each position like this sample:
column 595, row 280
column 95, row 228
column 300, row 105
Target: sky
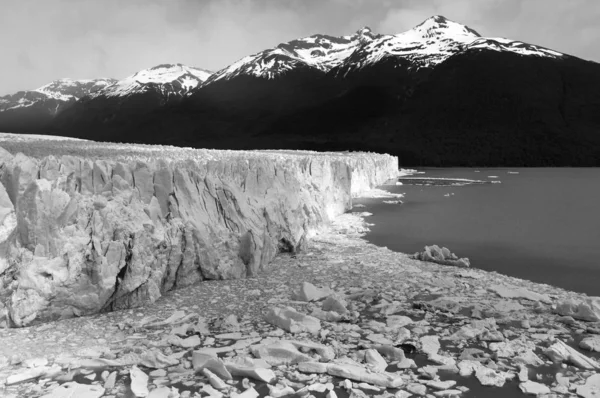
column 44, row 40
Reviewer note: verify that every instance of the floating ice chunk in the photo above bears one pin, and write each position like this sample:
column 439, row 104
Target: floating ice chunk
column 376, row 193
column 407, row 172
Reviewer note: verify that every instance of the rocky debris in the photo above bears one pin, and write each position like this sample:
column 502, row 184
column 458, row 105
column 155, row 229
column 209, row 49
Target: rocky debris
column 591, row 343
column 336, row 304
column 532, row 388
column 398, row 321
column 312, row 367
column 189, row 342
column 309, row 292
column 561, row 352
column 249, row 393
column 248, row 367
column 139, row 382
column 324, row 352
column 163, row 392
column 358, row 373
column 202, row 361
column 490, row 377
column 293, row 321
column 374, row 358
column 327, row 316
column 507, row 292
column 441, row 255
column 468, row 367
column 32, row 373
column 390, row 352
column 383, row 340
column 485, row 330
column 510, row 348
column 591, row 388
column 430, row 345
column 277, row 392
column 528, row 358
column 280, row 353
column 587, row 309
column 110, row 381
column 73, row 389
column 214, row 380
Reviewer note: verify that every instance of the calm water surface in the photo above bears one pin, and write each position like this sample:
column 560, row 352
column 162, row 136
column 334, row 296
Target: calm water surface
column 541, row 224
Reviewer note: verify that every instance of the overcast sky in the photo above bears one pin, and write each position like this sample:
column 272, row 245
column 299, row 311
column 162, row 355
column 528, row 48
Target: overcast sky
column 43, row 40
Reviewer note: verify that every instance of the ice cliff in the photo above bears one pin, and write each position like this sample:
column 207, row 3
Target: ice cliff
column 88, row 227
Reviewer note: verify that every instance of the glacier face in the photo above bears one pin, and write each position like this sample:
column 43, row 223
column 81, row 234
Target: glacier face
column 98, row 227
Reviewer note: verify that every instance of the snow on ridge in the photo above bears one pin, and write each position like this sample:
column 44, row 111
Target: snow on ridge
column 519, row 47
column 267, row 64
column 67, row 89
column 432, row 42
column 167, row 73
column 187, row 78
column 321, row 52
column 426, row 45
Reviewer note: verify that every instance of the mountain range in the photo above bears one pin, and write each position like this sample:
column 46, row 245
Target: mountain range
column 439, row 94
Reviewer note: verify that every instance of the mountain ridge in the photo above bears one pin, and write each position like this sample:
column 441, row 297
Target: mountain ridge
column 387, row 93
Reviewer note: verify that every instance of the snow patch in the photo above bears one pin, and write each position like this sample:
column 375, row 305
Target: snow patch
column 164, row 77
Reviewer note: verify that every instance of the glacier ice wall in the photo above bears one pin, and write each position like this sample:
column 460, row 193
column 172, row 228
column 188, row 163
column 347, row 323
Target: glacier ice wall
column 88, row 227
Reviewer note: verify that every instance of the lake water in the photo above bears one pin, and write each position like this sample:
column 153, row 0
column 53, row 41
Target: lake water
column 540, row 224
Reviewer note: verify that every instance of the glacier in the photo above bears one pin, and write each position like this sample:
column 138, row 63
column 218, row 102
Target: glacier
column 88, row 227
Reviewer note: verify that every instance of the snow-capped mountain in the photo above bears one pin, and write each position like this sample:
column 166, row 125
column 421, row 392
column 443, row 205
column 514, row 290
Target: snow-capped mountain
column 133, row 97
column 170, row 80
column 431, row 43
column 54, row 96
column 426, row 45
column 319, row 52
column 438, row 94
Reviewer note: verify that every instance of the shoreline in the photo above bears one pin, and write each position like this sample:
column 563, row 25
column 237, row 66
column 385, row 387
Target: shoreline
column 456, row 319
column 489, row 224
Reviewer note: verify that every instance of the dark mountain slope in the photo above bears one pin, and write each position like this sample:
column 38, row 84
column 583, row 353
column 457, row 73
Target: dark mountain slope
column 33, row 110
column 439, row 94
column 477, row 108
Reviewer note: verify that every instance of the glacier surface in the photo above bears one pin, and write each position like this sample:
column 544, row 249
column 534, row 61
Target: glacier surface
column 87, row 227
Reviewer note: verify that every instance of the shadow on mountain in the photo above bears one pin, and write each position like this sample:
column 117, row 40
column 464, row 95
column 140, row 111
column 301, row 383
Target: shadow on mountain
column 479, row 107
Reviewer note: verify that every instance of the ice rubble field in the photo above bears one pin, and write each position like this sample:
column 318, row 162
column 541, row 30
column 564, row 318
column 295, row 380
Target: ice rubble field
column 464, row 331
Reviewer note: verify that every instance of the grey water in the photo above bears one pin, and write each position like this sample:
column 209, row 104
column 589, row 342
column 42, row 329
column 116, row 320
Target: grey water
column 539, row 224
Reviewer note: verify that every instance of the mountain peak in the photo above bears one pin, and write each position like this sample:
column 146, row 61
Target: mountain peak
column 170, row 79
column 66, row 89
column 364, row 34
column 439, row 18
column 439, row 25
column 165, row 73
column 364, row 30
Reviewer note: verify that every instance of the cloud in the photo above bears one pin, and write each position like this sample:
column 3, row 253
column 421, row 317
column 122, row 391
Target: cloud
column 50, row 39
column 23, row 61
